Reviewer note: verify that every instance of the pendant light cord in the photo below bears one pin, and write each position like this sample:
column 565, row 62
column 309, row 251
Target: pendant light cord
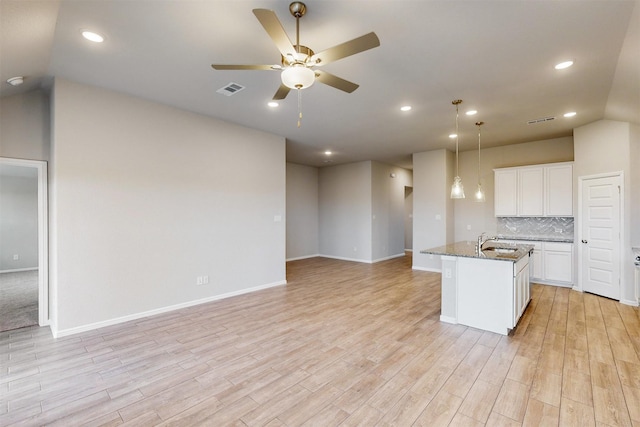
column 479, row 124
column 457, row 139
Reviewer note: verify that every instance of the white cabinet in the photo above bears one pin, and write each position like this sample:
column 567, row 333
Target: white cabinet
column 536, row 191
column 551, row 262
column 521, row 289
column 506, row 192
column 490, row 294
column 558, row 190
column 558, row 262
column 530, row 194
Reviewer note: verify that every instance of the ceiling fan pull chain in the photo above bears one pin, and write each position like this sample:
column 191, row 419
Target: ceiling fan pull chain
column 299, row 107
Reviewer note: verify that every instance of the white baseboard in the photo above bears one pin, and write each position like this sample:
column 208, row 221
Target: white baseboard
column 302, row 257
column 432, row 270
column 346, row 259
column 408, row 250
column 366, row 261
column 19, row 270
column 389, row 257
column 447, row 319
column 629, row 302
column 84, row 328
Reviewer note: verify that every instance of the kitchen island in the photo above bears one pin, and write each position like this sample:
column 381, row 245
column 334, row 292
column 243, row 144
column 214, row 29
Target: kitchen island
column 487, row 289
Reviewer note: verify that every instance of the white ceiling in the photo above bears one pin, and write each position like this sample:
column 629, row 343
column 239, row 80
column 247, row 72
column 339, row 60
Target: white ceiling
column 496, row 55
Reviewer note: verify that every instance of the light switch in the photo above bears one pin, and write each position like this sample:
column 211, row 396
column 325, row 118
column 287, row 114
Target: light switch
column 438, row 217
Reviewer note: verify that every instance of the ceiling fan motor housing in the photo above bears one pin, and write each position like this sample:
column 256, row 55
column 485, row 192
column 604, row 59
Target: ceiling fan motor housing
column 297, row 9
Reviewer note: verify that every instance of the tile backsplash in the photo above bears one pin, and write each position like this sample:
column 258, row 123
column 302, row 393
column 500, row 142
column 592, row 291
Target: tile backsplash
column 536, row 226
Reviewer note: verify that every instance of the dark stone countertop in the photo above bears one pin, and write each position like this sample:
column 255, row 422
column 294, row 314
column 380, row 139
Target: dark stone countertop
column 467, row 249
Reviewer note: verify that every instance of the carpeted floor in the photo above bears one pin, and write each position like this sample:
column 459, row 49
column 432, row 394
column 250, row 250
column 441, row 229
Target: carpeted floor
column 18, row 300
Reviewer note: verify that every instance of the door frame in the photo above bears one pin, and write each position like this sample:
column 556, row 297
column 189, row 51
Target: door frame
column 43, row 233
column 579, row 237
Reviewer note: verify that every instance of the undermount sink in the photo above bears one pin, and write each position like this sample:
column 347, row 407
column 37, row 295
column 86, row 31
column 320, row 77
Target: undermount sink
column 500, row 250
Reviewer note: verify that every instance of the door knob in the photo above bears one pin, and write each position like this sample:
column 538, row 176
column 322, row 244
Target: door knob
column 584, row 241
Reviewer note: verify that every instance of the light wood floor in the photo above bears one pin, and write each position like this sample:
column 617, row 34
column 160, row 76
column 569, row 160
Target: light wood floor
column 342, row 344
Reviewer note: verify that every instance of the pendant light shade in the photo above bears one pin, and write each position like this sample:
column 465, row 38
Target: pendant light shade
column 479, row 195
column 297, row 76
column 457, row 190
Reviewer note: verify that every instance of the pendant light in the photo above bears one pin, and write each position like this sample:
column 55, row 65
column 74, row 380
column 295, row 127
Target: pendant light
column 479, row 195
column 457, row 190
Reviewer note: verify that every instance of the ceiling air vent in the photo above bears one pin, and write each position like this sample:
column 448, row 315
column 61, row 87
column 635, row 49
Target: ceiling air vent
column 230, row 89
column 542, row 120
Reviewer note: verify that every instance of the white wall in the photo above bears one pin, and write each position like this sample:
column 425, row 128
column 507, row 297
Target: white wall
column 146, row 197
column 18, row 221
column 24, row 126
column 432, row 207
column 345, row 203
column 635, row 184
column 602, row 147
column 302, row 211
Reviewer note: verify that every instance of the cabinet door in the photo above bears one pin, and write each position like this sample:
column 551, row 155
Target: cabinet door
column 531, row 192
column 559, row 190
column 558, row 266
column 505, row 194
column 536, row 262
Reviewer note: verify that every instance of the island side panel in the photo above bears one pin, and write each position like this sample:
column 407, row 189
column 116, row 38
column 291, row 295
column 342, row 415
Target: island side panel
column 449, row 305
column 485, row 294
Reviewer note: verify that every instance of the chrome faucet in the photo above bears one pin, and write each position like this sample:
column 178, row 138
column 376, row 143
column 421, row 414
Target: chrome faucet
column 482, row 239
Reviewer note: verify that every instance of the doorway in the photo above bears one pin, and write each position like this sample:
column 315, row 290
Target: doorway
column 408, row 219
column 600, row 208
column 23, row 263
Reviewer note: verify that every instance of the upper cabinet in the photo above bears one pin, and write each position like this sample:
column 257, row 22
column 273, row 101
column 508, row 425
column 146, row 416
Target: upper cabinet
column 539, row 190
column 558, row 181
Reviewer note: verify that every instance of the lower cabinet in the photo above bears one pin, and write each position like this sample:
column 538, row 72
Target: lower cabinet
column 558, row 262
column 521, row 289
column 551, row 262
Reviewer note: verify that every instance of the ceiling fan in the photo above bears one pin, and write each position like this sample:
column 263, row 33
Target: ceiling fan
column 298, row 62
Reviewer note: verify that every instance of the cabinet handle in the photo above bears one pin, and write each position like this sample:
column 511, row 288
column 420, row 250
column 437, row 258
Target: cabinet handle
column 584, row 241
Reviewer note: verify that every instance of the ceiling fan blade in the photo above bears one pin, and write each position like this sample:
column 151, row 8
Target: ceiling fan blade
column 281, row 93
column 241, row 67
column 274, row 28
column 335, row 81
column 360, row 44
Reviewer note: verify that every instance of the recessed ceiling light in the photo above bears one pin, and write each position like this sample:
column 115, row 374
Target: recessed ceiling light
column 16, row 81
column 471, row 112
column 563, row 65
column 452, row 136
column 405, row 108
column 272, row 104
column 328, row 153
column 93, row 37
column 570, row 114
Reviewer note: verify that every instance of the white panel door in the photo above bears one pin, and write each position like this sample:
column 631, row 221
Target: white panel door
column 600, row 236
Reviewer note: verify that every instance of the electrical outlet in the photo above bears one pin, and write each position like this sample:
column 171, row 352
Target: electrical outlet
column 447, row 273
column 200, row 280
column 16, row 257
column 205, row 279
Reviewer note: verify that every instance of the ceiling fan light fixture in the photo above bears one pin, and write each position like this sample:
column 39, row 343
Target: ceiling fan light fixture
column 297, row 77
